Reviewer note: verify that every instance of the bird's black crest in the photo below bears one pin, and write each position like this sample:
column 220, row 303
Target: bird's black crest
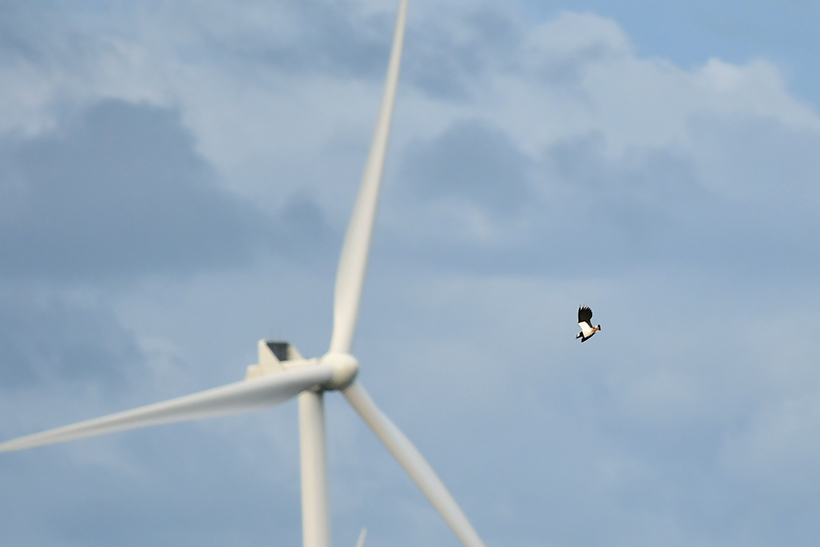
column 584, row 314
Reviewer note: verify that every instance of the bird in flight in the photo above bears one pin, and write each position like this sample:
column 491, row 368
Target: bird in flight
column 585, row 322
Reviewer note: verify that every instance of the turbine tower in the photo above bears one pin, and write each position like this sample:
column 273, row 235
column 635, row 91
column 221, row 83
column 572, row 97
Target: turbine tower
column 282, row 373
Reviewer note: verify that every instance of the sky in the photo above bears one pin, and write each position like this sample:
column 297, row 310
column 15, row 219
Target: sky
column 175, row 183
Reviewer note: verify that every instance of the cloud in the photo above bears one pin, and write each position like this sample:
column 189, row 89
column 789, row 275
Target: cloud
column 46, row 339
column 15, row 30
column 626, row 162
column 470, row 162
column 446, row 62
column 663, row 207
column 121, row 190
column 312, row 37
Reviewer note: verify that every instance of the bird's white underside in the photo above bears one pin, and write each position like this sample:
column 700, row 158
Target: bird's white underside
column 586, row 329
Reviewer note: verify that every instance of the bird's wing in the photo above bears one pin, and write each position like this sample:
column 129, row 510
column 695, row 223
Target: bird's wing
column 585, row 315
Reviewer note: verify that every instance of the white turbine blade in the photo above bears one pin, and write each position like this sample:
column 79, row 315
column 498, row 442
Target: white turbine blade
column 362, row 535
column 413, row 463
column 230, row 399
column 353, row 261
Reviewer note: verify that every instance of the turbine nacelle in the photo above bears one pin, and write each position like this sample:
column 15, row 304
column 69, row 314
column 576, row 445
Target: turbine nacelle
column 277, row 356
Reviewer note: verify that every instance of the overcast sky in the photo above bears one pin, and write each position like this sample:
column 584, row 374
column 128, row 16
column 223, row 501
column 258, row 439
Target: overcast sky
column 175, row 182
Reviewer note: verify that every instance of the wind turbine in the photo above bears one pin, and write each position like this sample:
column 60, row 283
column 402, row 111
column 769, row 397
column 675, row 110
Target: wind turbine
column 282, row 373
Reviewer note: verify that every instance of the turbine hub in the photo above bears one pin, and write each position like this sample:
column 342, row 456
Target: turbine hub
column 345, row 368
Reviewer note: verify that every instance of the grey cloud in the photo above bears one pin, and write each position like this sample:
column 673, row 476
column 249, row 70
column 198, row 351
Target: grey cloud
column 637, row 199
column 12, row 44
column 453, row 55
column 45, row 36
column 471, row 161
column 759, row 161
column 337, row 40
column 19, row 25
column 120, row 191
column 568, row 69
column 161, row 493
column 46, row 337
column 584, row 210
column 447, row 64
column 332, row 38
